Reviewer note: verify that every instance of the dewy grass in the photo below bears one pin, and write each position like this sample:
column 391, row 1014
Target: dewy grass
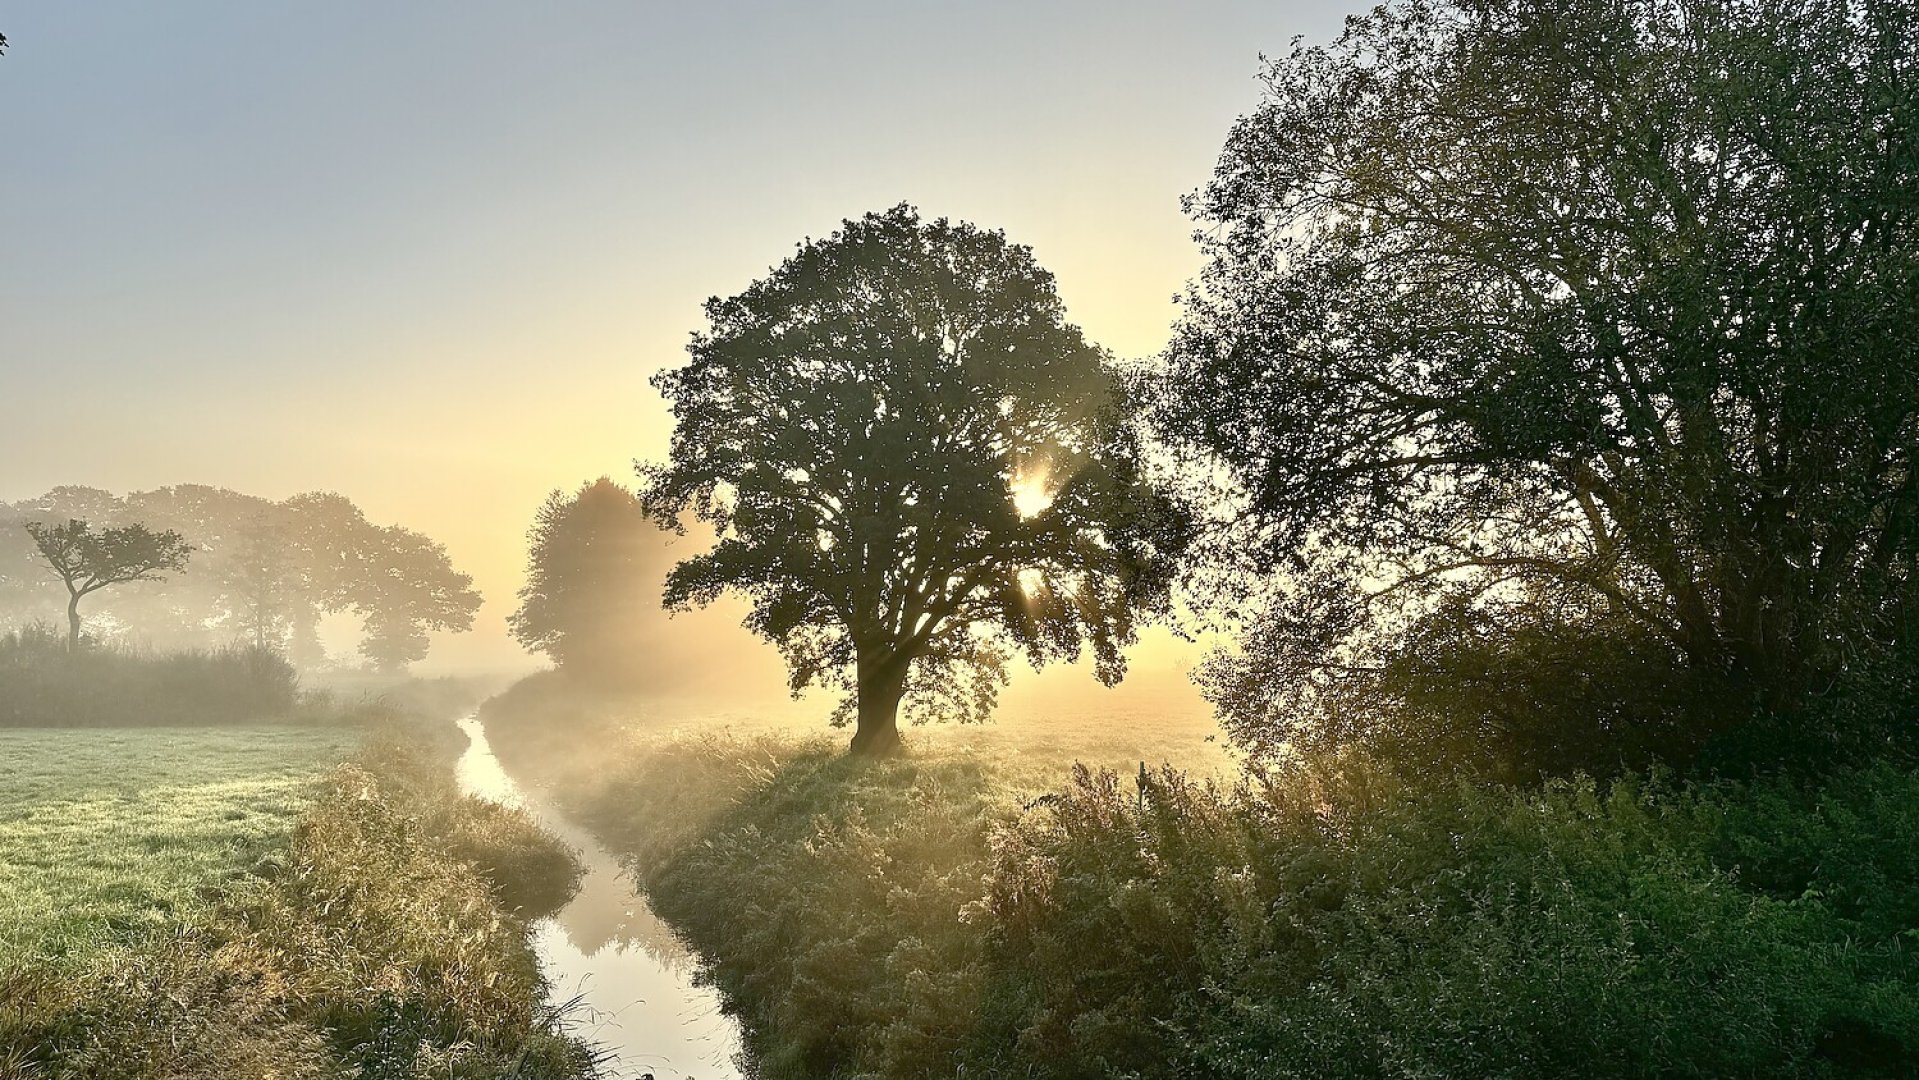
column 376, row 937
column 103, row 831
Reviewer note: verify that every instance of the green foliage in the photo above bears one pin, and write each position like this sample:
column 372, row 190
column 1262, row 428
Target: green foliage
column 44, row 683
column 944, row 914
column 1579, row 315
column 594, row 567
column 367, row 944
column 530, row 874
column 913, row 464
column 1352, row 924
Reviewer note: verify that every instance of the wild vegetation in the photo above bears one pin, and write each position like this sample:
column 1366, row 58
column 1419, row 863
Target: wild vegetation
column 378, row 939
column 960, row 912
column 44, row 681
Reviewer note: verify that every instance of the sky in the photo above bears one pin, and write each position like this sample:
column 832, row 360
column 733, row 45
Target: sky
column 427, row 254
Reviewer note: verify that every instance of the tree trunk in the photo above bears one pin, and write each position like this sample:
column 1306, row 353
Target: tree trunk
column 73, row 622
column 881, row 686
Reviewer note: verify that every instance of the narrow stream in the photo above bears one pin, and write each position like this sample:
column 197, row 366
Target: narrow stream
column 606, row 948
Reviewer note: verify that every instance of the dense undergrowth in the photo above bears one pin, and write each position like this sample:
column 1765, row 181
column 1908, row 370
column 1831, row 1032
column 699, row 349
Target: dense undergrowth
column 383, row 942
column 943, row 915
column 44, row 684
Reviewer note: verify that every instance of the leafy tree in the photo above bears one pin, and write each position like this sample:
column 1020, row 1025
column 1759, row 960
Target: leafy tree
column 257, row 586
column 407, row 588
column 88, row 560
column 1570, row 314
column 912, row 462
column 593, row 569
column 263, row 571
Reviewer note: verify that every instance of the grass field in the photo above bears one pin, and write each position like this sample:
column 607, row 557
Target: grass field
column 102, row 830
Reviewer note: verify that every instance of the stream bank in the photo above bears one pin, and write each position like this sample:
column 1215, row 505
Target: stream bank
column 632, row 977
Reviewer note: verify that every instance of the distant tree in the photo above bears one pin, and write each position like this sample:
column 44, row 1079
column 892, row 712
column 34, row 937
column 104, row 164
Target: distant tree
column 912, row 461
column 263, row 571
column 1530, row 318
column 408, row 588
column 258, row 586
column 88, row 561
column 593, row 568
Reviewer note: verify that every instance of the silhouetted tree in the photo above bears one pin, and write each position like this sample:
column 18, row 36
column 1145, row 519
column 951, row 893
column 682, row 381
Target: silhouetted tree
column 1573, row 314
column 911, row 460
column 593, row 568
column 88, row 561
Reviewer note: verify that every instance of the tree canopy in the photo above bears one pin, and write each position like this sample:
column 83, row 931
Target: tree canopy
column 264, row 572
column 87, row 560
column 595, row 567
column 913, row 464
column 1585, row 324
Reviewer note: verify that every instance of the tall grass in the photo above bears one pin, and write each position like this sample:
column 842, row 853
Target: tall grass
column 940, row 916
column 43, row 683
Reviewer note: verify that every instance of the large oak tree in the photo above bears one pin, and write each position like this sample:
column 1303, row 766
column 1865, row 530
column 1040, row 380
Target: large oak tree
column 1578, row 316
column 912, row 462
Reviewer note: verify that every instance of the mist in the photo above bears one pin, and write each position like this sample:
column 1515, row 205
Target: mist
column 1053, row 540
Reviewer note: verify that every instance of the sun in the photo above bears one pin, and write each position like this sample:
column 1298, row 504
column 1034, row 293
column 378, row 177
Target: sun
column 1032, row 491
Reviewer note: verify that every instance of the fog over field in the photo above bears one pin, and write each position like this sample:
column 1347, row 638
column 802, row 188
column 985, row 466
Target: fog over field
column 860, row 540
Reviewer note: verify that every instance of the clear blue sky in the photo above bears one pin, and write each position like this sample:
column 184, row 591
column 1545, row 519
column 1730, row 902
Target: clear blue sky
column 427, row 253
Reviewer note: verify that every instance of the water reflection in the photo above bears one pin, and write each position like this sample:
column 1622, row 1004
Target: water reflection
column 606, row 948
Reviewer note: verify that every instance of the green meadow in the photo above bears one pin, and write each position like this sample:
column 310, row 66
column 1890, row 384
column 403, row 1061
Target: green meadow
column 102, row 831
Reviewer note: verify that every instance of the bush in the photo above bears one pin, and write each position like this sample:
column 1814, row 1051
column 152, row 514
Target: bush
column 43, row 683
column 1352, row 924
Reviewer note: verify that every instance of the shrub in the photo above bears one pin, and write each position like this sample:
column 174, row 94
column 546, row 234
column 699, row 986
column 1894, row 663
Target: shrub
column 1352, row 924
column 43, row 683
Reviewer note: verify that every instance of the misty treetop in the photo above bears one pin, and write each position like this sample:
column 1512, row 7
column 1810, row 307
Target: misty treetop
column 913, row 464
column 261, row 572
column 595, row 569
column 1582, row 333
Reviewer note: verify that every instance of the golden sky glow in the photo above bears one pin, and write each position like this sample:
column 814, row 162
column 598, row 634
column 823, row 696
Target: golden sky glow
column 427, row 255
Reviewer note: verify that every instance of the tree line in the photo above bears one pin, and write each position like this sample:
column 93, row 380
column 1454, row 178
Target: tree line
column 1549, row 400
column 195, row 566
